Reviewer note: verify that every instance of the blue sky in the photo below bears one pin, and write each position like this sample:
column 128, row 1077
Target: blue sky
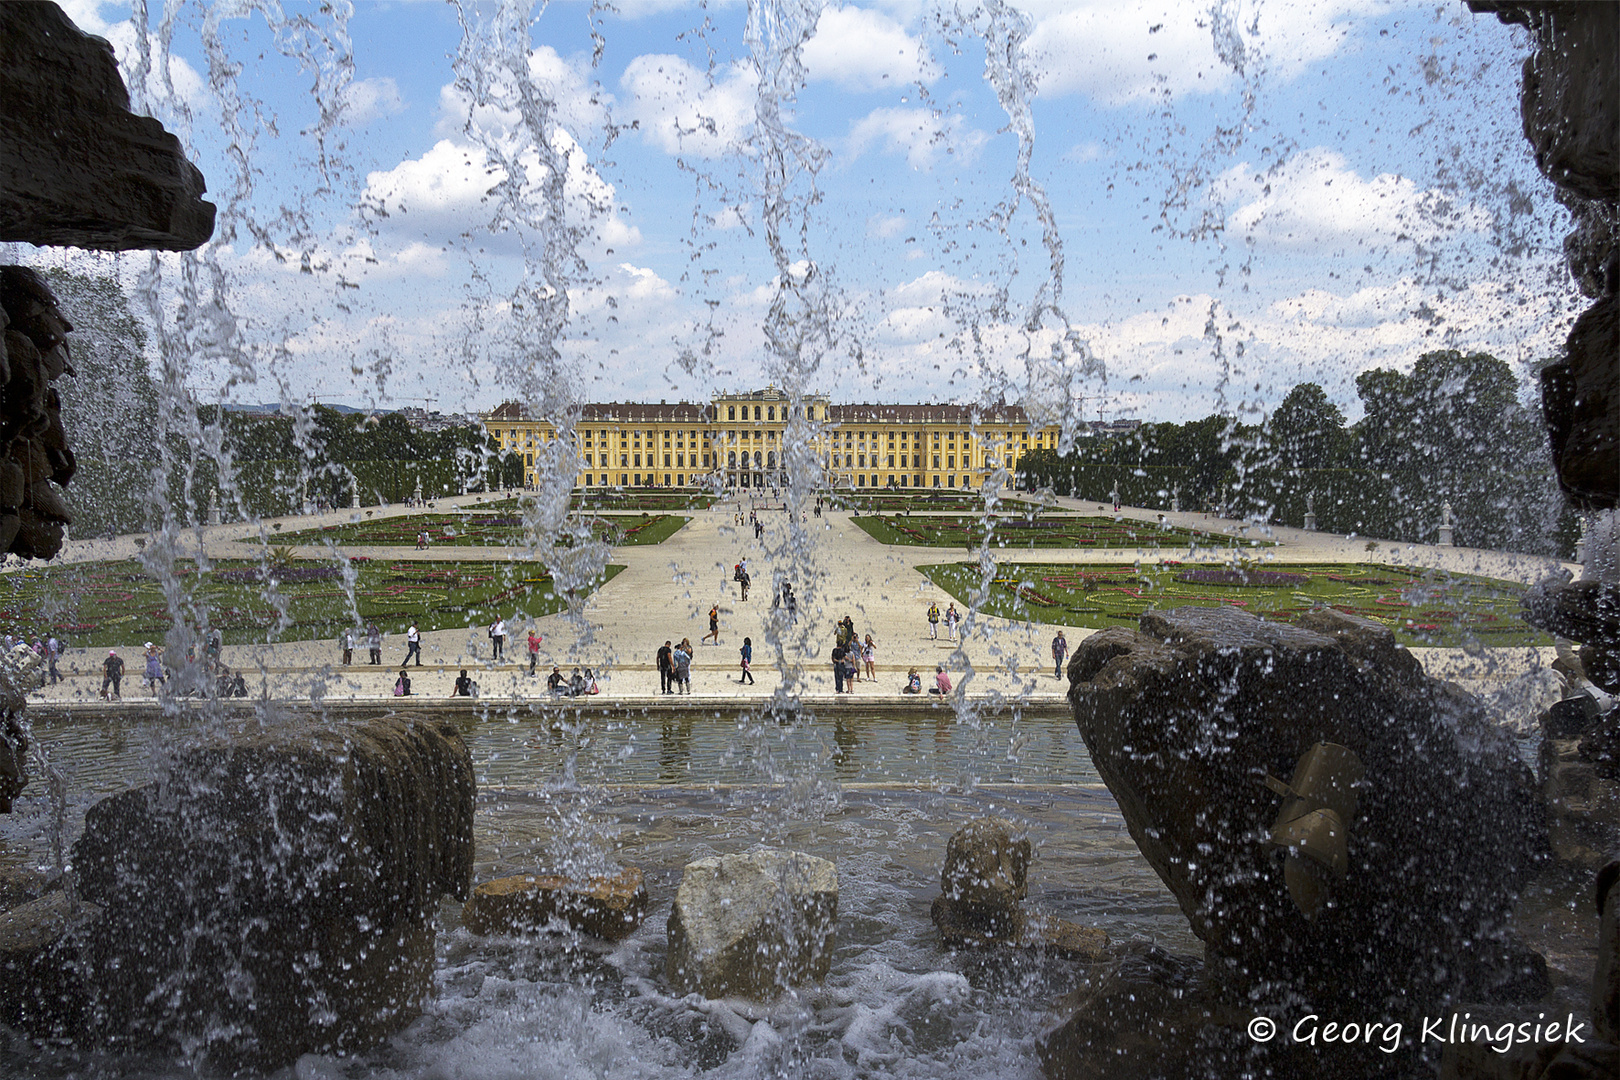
column 1346, row 188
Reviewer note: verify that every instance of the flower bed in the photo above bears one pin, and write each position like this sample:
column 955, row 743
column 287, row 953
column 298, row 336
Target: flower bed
column 1260, row 579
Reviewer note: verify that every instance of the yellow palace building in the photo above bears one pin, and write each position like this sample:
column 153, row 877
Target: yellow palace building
column 740, row 441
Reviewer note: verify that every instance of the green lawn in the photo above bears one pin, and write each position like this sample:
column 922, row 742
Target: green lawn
column 889, row 502
column 118, row 603
column 1029, row 532
column 1422, row 607
column 480, row 528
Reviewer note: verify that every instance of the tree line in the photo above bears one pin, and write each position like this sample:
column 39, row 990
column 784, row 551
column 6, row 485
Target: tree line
column 1452, row 430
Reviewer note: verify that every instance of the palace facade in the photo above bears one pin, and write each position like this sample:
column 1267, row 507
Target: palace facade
column 742, row 441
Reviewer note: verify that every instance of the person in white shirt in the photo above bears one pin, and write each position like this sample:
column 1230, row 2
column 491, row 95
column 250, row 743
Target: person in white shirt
column 497, row 635
column 413, row 645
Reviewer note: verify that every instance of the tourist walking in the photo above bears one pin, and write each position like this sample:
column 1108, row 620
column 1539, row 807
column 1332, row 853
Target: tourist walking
column 838, row 669
column 413, row 645
column 374, row 642
column 869, row 657
column 154, row 676
column 951, row 619
column 933, row 622
column 216, row 643
column 497, row 636
column 534, row 651
column 1060, row 649
column 792, row 606
column 666, row 669
column 747, row 651
column 745, row 580
column 53, row 650
column 714, row 625
column 112, row 674
column 347, row 644
column 682, row 658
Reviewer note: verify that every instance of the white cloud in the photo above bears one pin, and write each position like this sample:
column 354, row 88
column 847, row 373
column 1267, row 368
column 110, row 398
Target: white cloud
column 860, row 49
column 681, row 111
column 1118, row 53
column 1316, row 200
column 918, row 134
column 880, row 226
column 372, row 99
column 446, row 193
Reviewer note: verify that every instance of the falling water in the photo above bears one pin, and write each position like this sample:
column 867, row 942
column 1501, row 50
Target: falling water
column 582, row 790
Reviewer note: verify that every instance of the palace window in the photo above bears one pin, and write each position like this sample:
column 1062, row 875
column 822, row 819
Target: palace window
column 936, row 465
column 770, row 413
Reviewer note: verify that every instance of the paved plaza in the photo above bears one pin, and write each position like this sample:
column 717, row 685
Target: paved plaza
column 666, row 590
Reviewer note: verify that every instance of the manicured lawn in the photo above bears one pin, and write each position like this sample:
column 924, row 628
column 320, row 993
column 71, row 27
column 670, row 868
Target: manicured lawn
column 479, row 528
column 1423, row 607
column 891, row 502
column 1027, row 531
column 118, row 603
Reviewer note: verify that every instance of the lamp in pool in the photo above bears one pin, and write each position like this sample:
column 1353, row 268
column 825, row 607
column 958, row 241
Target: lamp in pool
column 1312, row 828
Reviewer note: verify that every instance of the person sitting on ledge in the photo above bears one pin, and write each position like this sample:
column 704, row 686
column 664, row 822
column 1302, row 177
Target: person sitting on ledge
column 463, row 685
column 576, row 684
column 402, row 685
column 913, row 683
column 555, row 681
column 942, row 682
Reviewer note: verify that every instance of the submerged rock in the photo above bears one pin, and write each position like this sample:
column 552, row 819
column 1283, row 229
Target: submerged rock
column 751, row 925
column 273, row 894
column 608, row 906
column 1185, row 719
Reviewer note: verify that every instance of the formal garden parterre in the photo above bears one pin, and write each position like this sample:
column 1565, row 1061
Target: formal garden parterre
column 1030, row 531
column 1422, row 607
column 119, row 603
column 497, row 526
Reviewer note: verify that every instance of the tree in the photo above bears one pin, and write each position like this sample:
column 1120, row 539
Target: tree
column 1306, row 431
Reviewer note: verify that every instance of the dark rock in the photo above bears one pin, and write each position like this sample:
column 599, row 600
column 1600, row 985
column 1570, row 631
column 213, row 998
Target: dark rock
column 986, row 865
column 77, row 168
column 1184, row 720
column 40, row 986
column 13, row 760
column 273, row 894
column 20, row 884
column 1580, row 402
column 968, row 926
column 609, row 907
column 1606, row 976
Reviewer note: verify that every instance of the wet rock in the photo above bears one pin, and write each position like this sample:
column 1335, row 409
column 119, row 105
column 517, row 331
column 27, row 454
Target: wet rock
column 1583, row 804
column 34, row 453
column 1064, row 938
column 982, row 883
column 1606, row 976
column 751, row 925
column 1580, row 400
column 273, row 893
column 40, row 987
column 1186, row 717
column 13, row 760
column 20, row 884
column 77, row 168
column 608, row 906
